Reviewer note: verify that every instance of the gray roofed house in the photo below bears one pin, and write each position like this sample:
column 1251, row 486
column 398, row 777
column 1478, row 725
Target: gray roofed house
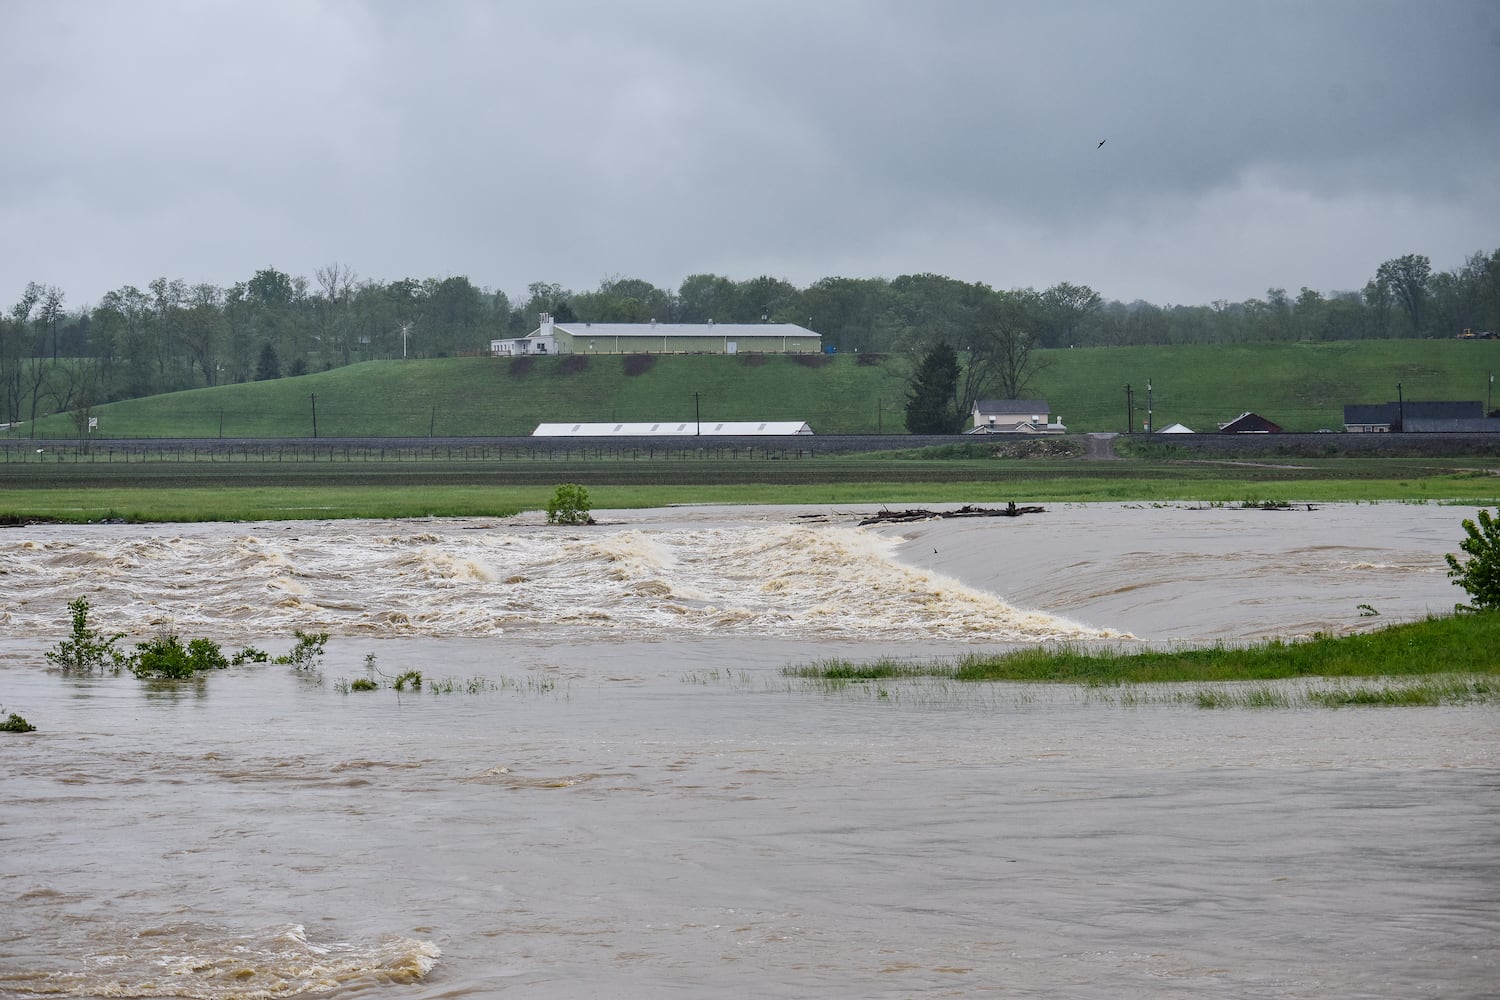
column 1419, row 415
column 1014, row 416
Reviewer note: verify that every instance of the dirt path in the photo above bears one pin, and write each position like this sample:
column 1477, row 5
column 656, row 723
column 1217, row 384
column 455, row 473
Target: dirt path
column 1102, row 448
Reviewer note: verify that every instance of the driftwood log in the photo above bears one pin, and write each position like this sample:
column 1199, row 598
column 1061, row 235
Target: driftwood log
column 919, row 514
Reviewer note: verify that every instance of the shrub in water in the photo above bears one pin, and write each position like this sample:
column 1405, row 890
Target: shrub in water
column 166, row 658
column 1479, row 575
column 16, row 724
column 305, row 654
column 88, row 649
column 569, row 505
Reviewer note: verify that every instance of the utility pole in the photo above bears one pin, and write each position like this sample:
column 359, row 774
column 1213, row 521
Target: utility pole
column 697, row 421
column 314, row 398
column 1400, row 408
column 1150, row 425
column 1129, row 410
column 1489, row 396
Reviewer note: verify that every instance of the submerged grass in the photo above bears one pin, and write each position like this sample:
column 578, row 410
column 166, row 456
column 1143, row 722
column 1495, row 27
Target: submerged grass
column 1440, row 660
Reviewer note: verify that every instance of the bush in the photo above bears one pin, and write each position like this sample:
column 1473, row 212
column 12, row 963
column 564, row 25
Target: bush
column 1479, row 575
column 639, row 364
column 16, row 724
column 305, row 654
column 88, row 649
column 569, row 505
column 166, row 658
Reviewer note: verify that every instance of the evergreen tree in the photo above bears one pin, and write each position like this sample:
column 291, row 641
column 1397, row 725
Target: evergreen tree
column 931, row 400
column 269, row 366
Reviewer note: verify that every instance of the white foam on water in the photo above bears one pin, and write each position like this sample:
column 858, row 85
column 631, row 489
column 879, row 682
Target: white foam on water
column 206, row 963
column 352, row 577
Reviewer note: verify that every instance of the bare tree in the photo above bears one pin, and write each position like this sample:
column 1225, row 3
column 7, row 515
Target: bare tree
column 335, row 285
column 203, row 328
column 51, row 312
column 1003, row 358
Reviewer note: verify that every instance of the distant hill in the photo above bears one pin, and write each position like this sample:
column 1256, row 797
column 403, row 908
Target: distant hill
column 1301, row 386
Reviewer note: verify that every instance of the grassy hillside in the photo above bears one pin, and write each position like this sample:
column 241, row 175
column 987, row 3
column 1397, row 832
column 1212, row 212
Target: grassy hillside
column 1303, row 387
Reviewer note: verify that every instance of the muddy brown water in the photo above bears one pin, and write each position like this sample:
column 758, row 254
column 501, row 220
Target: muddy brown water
column 623, row 796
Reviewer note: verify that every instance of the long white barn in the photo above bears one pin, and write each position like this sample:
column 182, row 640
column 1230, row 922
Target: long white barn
column 677, row 428
column 553, row 337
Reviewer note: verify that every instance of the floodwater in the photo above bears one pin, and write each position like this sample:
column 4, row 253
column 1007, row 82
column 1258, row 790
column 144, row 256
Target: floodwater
column 608, row 788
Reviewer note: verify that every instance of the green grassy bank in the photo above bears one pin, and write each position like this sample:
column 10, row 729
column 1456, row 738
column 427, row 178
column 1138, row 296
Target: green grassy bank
column 1452, row 659
column 1301, row 386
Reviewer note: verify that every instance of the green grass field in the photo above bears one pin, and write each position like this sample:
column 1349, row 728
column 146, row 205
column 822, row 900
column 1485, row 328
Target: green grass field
column 84, row 491
column 1302, row 387
column 1442, row 660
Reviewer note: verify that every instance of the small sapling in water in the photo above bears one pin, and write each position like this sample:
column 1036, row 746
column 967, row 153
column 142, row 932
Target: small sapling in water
column 304, row 655
column 89, row 648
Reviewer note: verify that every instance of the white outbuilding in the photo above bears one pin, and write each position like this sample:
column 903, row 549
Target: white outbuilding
column 677, row 428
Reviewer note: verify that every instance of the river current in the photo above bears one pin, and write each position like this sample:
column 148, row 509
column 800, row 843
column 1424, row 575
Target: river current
column 607, row 786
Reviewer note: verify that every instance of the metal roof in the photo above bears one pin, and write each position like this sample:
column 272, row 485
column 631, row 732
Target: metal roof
column 733, row 330
column 676, row 428
column 1011, row 406
column 1412, row 409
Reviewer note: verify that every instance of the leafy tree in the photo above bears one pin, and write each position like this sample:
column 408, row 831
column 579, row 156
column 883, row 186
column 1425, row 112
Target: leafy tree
column 453, row 316
column 1003, row 359
column 703, row 297
column 624, row 300
column 929, row 309
column 764, row 298
column 547, row 297
column 1479, row 575
column 569, row 505
column 1065, row 307
column 269, row 366
column 931, row 399
column 1407, row 279
column 850, row 313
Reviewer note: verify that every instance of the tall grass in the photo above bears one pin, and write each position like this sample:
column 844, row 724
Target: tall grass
column 1453, row 645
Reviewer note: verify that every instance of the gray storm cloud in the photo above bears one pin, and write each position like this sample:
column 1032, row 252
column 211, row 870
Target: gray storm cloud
column 1249, row 145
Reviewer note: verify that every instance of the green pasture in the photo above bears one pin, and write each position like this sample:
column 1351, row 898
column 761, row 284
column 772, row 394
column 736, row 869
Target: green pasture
column 235, row 491
column 1301, row 386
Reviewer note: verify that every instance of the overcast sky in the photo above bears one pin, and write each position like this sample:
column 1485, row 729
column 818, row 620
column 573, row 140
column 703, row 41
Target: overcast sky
column 1249, row 144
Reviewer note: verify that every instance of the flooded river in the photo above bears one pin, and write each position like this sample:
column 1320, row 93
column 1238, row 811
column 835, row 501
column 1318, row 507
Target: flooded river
column 607, row 787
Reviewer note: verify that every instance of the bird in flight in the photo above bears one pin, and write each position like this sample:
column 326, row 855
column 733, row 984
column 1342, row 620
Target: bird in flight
column 1101, row 143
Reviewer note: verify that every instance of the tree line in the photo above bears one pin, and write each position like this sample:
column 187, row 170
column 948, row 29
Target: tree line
column 173, row 335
